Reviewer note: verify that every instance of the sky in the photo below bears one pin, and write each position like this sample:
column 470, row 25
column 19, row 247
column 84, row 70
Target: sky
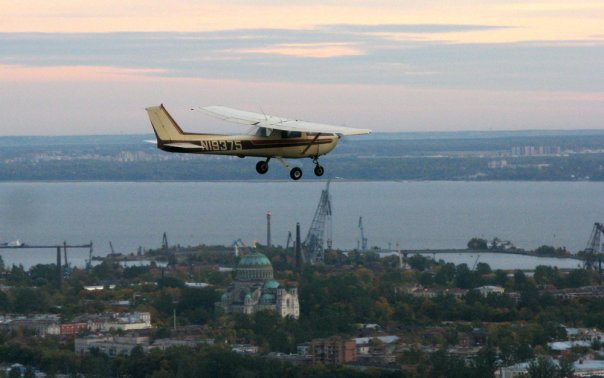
column 72, row 67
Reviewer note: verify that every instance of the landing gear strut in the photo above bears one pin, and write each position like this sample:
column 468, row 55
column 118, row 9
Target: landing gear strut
column 262, row 166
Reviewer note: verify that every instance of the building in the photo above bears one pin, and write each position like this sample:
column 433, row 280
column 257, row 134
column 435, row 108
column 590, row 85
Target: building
column 41, row 325
column 379, row 349
column 255, row 289
column 123, row 345
column 333, row 350
column 126, row 321
column 583, row 368
column 486, row 290
column 73, row 328
column 110, row 345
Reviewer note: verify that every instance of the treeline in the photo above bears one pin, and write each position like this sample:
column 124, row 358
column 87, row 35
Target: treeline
column 450, row 158
column 203, row 168
column 497, row 245
column 53, row 358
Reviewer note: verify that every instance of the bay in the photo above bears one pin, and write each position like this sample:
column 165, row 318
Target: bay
column 418, row 215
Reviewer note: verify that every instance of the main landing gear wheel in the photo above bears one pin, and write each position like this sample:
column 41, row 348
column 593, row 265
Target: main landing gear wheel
column 295, row 173
column 262, row 167
column 319, row 170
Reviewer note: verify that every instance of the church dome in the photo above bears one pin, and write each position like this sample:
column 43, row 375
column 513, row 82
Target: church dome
column 254, row 267
column 271, row 284
column 255, row 259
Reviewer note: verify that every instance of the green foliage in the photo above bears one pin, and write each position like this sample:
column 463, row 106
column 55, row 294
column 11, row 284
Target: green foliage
column 14, row 373
column 546, row 275
column 543, row 367
column 478, row 244
column 42, row 274
column 27, row 300
column 197, row 305
column 418, row 262
column 18, row 276
column 106, row 271
column 546, row 250
column 169, row 281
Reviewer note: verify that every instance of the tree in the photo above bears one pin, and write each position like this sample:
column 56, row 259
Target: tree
column 28, row 300
column 445, row 274
column 478, row 244
column 545, row 274
column 567, row 367
column 464, row 277
column 543, row 367
column 483, row 268
column 485, row 362
column 418, row 262
column 29, row 373
column 169, row 281
column 14, row 373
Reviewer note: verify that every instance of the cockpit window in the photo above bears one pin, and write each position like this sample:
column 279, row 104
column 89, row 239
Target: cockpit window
column 264, row 132
column 292, row 134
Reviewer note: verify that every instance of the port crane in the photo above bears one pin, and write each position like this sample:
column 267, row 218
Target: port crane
column 58, row 248
column 595, row 248
column 319, row 233
column 240, row 247
column 164, row 241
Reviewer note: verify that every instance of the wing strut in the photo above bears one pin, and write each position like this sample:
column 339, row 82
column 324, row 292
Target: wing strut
column 311, row 142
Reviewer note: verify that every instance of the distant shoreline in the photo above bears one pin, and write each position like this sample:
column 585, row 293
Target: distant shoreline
column 312, row 180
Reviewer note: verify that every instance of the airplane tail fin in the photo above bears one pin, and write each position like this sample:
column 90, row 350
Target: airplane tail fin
column 165, row 128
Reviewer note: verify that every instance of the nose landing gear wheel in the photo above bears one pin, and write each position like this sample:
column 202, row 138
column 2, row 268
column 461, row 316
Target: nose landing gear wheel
column 295, row 173
column 262, row 167
column 319, row 170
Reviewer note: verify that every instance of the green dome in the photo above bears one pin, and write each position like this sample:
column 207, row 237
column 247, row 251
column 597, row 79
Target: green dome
column 254, row 267
column 255, row 259
column 267, row 298
column 271, row 284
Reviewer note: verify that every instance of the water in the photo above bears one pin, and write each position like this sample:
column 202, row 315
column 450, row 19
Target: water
column 502, row 261
column 420, row 215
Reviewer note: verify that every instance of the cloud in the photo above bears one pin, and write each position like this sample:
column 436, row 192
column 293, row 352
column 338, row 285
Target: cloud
column 410, row 28
column 337, row 54
column 308, row 50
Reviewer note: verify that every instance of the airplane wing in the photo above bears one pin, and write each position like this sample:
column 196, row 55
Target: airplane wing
column 278, row 123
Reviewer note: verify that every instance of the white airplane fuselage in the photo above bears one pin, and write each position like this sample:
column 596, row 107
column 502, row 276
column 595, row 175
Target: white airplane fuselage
column 278, row 144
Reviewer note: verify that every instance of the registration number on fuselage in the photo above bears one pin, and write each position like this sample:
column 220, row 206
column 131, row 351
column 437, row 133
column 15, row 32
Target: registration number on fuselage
column 220, row 145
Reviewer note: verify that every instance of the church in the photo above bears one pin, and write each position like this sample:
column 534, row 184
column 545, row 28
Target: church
column 255, row 289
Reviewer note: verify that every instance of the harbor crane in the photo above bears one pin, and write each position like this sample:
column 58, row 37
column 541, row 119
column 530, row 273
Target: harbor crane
column 164, row 241
column 58, row 248
column 320, row 230
column 594, row 249
column 240, row 247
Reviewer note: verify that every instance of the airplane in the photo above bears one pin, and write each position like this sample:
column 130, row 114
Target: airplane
column 271, row 137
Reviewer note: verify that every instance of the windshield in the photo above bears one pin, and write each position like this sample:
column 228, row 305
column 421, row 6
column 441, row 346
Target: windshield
column 264, row 132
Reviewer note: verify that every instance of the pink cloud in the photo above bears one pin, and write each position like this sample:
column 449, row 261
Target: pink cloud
column 81, row 73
